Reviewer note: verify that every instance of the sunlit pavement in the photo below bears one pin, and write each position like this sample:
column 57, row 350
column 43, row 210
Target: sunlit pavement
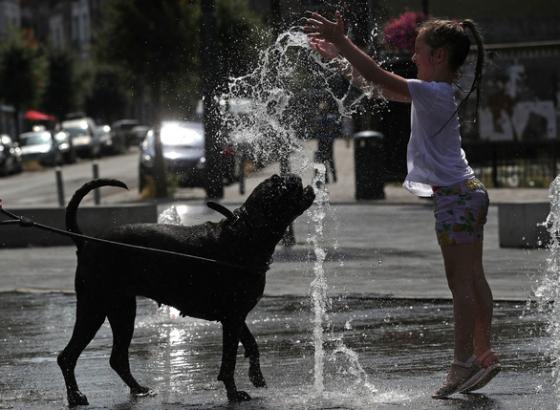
column 402, row 348
column 390, row 306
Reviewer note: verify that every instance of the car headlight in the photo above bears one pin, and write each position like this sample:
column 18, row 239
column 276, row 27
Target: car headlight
column 147, row 160
column 82, row 140
column 201, row 163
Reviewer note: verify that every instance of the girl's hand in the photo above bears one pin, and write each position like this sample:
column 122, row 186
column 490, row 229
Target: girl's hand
column 318, row 27
column 326, row 49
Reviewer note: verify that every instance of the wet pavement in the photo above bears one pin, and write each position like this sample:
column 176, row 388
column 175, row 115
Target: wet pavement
column 402, row 348
column 387, row 342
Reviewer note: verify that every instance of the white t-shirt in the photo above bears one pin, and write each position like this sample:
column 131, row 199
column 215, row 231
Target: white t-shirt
column 434, row 157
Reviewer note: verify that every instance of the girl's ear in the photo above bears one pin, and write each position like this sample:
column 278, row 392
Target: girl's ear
column 440, row 55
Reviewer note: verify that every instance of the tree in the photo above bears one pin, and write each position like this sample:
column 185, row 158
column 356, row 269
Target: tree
column 21, row 75
column 153, row 40
column 240, row 36
column 157, row 43
column 227, row 31
column 106, row 98
column 59, row 97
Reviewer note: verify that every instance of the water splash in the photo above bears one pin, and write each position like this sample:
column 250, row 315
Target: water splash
column 319, row 284
column 269, row 113
column 547, row 291
column 170, row 216
column 351, row 368
column 271, row 109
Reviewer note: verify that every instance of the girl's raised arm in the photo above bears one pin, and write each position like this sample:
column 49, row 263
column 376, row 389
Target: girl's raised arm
column 394, row 86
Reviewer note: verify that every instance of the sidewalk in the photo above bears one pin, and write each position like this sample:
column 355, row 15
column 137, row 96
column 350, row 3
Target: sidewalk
column 343, row 191
column 386, row 251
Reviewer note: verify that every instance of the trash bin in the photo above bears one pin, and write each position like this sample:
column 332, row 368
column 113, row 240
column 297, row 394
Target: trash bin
column 368, row 165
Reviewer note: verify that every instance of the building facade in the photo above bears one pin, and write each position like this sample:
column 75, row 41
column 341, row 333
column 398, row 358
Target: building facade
column 10, row 16
column 62, row 24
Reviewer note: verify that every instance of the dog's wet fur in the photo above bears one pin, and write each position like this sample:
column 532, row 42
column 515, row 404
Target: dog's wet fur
column 108, row 278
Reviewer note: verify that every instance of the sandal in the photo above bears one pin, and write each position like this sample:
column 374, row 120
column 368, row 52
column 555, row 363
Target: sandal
column 458, row 375
column 489, row 367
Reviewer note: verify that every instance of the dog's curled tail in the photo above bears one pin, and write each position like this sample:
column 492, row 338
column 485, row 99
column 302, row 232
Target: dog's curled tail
column 72, row 207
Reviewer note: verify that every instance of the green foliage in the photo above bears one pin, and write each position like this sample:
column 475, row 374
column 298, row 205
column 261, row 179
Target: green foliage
column 157, row 43
column 153, row 42
column 106, row 98
column 241, row 35
column 21, row 73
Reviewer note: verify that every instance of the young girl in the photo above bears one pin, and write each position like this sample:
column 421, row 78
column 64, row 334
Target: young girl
column 437, row 168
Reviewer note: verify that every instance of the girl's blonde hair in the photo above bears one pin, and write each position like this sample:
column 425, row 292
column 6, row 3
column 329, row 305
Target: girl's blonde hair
column 453, row 36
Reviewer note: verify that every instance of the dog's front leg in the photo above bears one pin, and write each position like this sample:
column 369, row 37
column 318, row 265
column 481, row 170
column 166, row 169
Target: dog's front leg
column 230, row 334
column 252, row 352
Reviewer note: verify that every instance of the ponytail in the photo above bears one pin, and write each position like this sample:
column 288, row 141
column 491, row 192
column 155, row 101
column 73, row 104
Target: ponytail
column 469, row 24
column 453, row 35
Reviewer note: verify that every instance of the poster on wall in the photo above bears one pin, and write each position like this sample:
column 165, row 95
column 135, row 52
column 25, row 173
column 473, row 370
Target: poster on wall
column 519, row 100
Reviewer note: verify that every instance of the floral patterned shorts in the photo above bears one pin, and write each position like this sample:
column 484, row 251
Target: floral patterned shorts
column 460, row 212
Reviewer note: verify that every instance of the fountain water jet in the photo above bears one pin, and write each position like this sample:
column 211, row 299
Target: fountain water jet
column 547, row 291
column 274, row 122
column 319, row 284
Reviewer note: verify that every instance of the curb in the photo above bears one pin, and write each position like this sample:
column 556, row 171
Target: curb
column 93, row 220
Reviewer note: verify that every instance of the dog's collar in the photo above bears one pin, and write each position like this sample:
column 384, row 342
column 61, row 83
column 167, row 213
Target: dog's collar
column 241, row 216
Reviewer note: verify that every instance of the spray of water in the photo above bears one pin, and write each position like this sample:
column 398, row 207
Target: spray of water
column 547, row 291
column 269, row 113
column 319, row 284
column 271, row 109
column 170, row 216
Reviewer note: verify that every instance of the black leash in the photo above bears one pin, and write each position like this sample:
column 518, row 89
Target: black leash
column 28, row 223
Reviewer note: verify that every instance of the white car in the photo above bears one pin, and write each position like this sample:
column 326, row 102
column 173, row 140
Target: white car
column 85, row 140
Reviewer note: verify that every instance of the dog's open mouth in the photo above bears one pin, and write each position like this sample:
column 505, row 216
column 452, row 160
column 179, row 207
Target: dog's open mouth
column 304, row 196
column 280, row 198
column 308, row 197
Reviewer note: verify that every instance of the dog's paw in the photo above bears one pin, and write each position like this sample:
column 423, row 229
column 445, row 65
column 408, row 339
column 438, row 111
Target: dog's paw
column 142, row 391
column 238, row 396
column 256, row 377
column 77, row 398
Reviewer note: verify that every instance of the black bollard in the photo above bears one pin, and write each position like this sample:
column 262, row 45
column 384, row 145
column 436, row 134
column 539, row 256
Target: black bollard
column 59, row 186
column 96, row 194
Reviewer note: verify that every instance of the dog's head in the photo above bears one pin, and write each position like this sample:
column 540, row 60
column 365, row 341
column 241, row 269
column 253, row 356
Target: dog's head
column 277, row 201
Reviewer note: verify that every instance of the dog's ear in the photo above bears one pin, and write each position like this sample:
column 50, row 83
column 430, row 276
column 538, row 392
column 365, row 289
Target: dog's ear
column 221, row 209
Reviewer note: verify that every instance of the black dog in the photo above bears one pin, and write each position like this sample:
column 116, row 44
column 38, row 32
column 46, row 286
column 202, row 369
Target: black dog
column 108, row 278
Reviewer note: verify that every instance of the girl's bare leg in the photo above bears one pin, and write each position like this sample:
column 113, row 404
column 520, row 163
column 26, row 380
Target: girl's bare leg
column 472, row 299
column 485, row 306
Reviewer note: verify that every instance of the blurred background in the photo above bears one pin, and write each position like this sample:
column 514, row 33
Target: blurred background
column 100, row 74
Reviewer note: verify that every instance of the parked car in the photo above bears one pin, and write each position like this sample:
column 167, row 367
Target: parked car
column 122, row 129
column 44, row 146
column 138, row 133
column 183, row 153
column 108, row 144
column 10, row 156
column 84, row 139
column 65, row 146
